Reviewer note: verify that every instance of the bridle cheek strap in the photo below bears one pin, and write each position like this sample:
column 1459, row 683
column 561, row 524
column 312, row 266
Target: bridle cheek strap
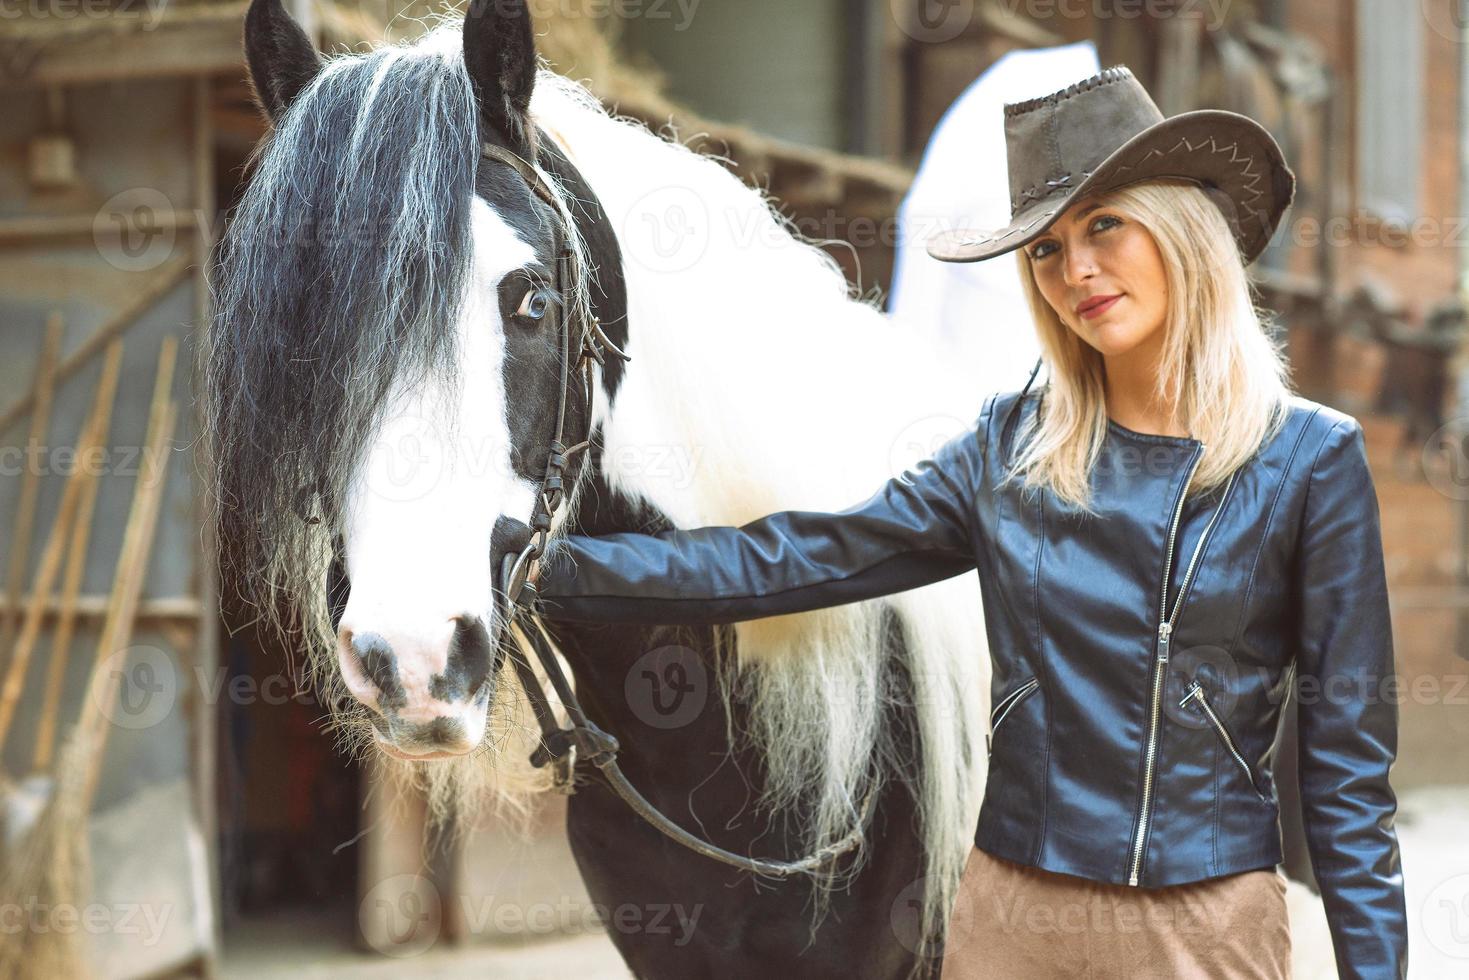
column 592, row 345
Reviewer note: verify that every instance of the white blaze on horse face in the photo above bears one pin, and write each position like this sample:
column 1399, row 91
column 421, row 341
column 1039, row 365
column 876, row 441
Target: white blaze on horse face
column 422, row 507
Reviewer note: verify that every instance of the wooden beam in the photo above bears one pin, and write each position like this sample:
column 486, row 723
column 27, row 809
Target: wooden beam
column 1016, row 27
column 802, row 185
column 88, row 607
column 1289, row 284
column 27, row 230
column 177, row 42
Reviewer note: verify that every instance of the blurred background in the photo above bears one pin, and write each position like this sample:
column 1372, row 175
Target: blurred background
column 227, row 834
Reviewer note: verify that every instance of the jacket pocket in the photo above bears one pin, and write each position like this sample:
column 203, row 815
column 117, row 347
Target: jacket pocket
column 1006, row 704
column 1196, row 695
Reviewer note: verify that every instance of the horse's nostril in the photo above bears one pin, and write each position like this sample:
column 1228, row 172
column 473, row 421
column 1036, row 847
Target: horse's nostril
column 468, row 668
column 377, row 658
column 371, row 670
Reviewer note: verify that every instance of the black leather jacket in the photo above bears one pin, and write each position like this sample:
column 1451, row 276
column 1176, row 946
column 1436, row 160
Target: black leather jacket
column 1129, row 745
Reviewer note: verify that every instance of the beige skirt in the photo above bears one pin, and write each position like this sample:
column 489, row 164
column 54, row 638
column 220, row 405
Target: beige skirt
column 1014, row 922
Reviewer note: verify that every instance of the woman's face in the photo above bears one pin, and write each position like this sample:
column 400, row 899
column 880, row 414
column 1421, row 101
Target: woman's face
column 1103, row 275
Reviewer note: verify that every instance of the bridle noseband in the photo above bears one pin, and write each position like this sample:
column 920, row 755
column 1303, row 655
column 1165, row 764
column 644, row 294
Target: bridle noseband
column 559, row 746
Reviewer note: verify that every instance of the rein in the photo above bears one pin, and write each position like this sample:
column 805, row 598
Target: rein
column 561, row 747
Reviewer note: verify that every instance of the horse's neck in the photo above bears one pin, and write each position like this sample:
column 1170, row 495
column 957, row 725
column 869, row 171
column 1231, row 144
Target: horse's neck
column 756, row 383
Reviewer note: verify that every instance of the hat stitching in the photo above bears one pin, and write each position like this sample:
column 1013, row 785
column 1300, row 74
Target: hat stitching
column 1251, row 184
column 1250, row 179
column 1054, row 140
column 1105, row 77
column 1013, row 231
column 1040, row 190
column 1060, row 183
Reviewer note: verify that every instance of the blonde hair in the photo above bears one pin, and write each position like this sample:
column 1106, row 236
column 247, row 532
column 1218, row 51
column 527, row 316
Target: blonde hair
column 1227, row 377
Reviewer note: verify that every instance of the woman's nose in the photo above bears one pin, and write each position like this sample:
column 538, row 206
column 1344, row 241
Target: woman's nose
column 1079, row 265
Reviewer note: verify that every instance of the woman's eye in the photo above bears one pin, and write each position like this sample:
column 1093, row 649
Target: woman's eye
column 1105, row 222
column 534, row 304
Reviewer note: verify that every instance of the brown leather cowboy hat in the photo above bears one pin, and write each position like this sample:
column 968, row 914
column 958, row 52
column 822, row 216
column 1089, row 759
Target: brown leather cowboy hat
column 1106, row 132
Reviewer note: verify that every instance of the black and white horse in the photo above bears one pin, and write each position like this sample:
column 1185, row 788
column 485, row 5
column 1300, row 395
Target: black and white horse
column 383, row 379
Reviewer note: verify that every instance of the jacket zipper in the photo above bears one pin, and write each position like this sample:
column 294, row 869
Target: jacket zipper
column 1006, row 703
column 1160, row 664
column 1196, row 693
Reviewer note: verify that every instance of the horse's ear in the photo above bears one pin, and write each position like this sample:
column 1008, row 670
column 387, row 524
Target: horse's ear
column 500, row 56
column 282, row 59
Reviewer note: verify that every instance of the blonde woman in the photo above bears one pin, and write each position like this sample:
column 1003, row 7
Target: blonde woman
column 1166, row 537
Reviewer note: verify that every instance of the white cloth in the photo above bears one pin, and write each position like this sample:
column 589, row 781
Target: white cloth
column 975, row 312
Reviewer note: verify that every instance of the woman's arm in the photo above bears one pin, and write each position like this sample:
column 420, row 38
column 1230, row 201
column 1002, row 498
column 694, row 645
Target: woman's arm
column 1349, row 727
column 916, row 529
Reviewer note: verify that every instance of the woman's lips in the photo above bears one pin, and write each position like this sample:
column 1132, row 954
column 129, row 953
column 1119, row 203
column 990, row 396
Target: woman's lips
column 1093, row 308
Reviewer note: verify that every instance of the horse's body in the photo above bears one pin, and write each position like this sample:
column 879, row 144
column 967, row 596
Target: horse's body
column 718, row 921
column 756, row 384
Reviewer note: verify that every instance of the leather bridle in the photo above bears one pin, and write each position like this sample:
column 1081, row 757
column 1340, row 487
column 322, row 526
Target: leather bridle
column 560, row 747
column 592, row 345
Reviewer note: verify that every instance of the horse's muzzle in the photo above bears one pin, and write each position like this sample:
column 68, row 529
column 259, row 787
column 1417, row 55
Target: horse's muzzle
column 428, row 695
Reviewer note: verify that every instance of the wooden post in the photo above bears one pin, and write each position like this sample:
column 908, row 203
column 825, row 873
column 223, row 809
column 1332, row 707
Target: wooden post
column 401, row 904
column 206, row 632
column 1178, row 63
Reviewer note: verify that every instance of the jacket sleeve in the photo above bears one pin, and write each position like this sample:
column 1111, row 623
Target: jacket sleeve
column 918, row 528
column 1349, row 725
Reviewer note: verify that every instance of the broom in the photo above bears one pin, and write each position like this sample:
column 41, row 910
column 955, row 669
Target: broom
column 94, row 433
column 71, row 587
column 23, row 801
column 25, row 511
column 53, row 860
column 66, row 614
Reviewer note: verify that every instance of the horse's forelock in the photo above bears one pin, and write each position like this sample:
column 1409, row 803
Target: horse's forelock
column 341, row 276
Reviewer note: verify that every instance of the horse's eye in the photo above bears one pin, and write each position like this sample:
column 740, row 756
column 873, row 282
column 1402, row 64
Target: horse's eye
column 534, row 304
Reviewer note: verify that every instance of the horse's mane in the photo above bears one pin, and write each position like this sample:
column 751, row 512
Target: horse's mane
column 753, row 364
column 341, row 274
